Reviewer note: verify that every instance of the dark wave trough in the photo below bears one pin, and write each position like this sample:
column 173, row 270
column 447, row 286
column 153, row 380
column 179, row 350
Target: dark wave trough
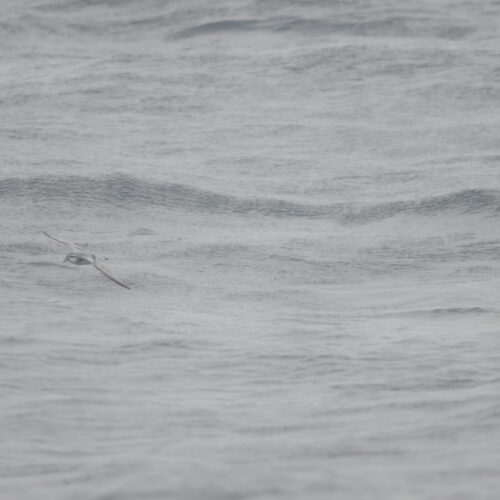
column 130, row 192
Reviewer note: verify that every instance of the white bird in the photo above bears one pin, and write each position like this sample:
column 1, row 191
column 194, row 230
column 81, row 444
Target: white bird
column 81, row 258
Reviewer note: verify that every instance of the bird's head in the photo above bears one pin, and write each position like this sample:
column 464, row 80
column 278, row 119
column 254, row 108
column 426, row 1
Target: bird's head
column 69, row 257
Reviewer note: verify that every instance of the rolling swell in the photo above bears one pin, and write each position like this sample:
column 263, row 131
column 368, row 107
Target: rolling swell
column 388, row 25
column 130, row 192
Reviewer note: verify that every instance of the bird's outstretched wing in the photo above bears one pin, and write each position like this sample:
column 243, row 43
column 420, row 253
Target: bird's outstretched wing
column 68, row 244
column 107, row 273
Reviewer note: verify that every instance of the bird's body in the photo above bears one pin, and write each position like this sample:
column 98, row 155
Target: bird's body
column 81, row 258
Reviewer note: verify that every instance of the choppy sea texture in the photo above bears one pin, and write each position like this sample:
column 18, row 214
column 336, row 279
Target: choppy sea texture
column 305, row 200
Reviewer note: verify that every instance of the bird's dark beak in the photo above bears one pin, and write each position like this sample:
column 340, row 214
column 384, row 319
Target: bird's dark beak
column 65, row 259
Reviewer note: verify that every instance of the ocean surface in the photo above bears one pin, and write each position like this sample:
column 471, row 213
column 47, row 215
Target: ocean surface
column 304, row 197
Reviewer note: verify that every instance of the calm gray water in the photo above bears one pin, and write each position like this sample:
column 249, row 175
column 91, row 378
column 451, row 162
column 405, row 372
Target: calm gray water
column 304, row 197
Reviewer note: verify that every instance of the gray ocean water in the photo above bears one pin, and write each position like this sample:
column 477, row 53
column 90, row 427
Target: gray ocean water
column 304, row 197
